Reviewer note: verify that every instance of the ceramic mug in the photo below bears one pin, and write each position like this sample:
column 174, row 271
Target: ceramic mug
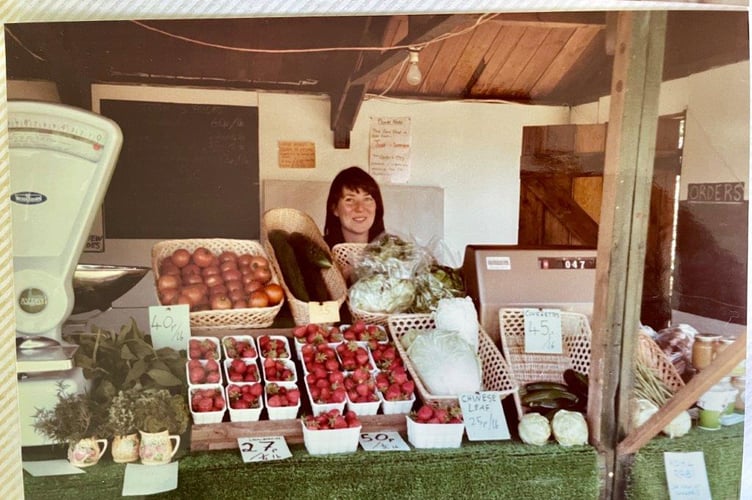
column 86, row 452
column 709, row 420
column 156, row 447
column 125, row 448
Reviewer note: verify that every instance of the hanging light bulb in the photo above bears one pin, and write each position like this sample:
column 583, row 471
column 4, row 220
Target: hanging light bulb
column 414, row 76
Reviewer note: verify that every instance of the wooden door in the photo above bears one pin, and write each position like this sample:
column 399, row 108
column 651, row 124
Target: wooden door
column 561, row 181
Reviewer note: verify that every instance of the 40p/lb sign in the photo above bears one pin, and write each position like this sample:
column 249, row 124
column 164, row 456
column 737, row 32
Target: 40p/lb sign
column 170, row 326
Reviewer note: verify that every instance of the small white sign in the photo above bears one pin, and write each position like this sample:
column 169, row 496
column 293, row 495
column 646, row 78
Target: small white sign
column 543, row 331
column 323, row 312
column 169, row 326
column 686, row 475
column 483, row 415
column 383, row 441
column 142, row 479
column 263, row 449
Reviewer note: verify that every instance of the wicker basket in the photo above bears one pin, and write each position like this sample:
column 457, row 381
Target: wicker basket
column 291, row 220
column 346, row 256
column 252, row 317
column 537, row 367
column 652, row 356
column 497, row 376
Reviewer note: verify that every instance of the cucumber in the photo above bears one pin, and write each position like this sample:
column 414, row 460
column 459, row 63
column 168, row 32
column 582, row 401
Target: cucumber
column 577, row 382
column 307, row 249
column 288, row 264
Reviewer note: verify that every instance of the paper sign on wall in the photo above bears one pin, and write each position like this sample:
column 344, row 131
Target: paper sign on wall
column 169, row 326
column 389, row 149
column 686, row 475
column 543, row 331
column 296, row 154
column 483, row 415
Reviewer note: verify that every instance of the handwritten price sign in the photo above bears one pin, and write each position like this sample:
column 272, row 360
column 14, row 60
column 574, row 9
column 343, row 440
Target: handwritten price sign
column 263, row 449
column 170, row 326
column 383, row 441
column 484, row 417
column 543, row 331
column 323, row 312
column 686, row 475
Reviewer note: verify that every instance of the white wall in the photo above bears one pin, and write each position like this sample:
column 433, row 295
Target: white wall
column 471, row 150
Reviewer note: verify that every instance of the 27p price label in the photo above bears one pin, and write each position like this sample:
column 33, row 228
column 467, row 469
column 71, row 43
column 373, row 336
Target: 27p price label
column 383, row 441
column 263, row 449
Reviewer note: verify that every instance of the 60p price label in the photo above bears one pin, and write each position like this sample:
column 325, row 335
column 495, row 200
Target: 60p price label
column 170, row 326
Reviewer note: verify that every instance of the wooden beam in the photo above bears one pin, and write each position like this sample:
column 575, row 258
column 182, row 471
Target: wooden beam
column 561, row 205
column 630, row 143
column 346, row 102
column 721, row 366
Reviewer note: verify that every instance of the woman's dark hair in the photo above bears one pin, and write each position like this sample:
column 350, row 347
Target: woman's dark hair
column 354, row 178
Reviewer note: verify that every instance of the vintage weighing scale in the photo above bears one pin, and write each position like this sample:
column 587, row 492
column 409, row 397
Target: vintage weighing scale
column 61, row 162
column 499, row 276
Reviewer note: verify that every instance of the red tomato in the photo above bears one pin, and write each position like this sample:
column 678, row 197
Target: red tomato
column 202, row 257
column 181, row 257
column 258, row 299
column 275, row 293
column 258, row 261
column 262, row 274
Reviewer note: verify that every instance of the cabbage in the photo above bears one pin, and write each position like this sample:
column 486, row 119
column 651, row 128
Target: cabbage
column 534, row 429
column 570, row 428
column 381, row 294
column 445, row 363
column 641, row 411
column 679, row 426
column 439, row 283
column 459, row 315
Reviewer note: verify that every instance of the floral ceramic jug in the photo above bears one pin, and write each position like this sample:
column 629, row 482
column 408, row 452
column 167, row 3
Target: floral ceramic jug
column 125, row 448
column 86, row 452
column 156, row 447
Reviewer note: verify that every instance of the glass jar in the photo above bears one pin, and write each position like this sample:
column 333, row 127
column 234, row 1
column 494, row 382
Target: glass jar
column 739, row 384
column 703, row 350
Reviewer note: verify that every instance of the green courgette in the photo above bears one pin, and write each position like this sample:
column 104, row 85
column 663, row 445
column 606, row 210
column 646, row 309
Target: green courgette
column 309, row 250
column 548, row 395
column 577, row 382
column 538, row 386
column 288, row 264
column 312, row 276
column 553, row 404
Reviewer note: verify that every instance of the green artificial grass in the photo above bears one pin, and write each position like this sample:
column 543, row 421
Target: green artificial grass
column 476, row 470
column 722, row 450
column 498, row 469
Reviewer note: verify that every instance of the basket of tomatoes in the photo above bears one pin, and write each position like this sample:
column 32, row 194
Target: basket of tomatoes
column 226, row 283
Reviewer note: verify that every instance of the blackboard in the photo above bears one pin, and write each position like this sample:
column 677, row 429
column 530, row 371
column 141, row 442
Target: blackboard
column 185, row 171
column 710, row 278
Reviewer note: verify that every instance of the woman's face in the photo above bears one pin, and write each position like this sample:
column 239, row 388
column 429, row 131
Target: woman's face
column 356, row 210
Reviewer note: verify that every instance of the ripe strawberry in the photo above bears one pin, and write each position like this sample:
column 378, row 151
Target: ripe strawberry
column 424, row 414
column 205, row 404
column 197, row 375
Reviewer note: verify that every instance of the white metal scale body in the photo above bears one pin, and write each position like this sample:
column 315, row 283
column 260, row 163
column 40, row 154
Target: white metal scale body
column 61, row 162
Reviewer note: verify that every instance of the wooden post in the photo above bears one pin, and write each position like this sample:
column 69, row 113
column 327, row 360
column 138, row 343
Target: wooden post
column 628, row 171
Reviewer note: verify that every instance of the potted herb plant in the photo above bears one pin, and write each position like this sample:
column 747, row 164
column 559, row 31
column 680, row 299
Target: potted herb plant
column 160, row 418
column 78, row 421
column 122, row 426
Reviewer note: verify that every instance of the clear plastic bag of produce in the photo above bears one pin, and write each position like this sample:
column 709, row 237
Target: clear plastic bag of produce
column 397, row 257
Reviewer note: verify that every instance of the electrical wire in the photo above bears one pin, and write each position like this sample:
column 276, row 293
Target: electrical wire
column 483, row 18
column 27, row 49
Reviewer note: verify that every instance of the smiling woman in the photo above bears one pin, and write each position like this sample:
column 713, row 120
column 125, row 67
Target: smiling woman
column 354, row 208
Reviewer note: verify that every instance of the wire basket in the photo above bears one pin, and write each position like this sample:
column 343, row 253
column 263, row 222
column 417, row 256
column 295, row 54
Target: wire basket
column 538, row 367
column 292, row 220
column 496, row 374
column 251, row 317
column 346, row 255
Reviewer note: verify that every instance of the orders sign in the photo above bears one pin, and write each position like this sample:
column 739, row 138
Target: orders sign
column 263, row 449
